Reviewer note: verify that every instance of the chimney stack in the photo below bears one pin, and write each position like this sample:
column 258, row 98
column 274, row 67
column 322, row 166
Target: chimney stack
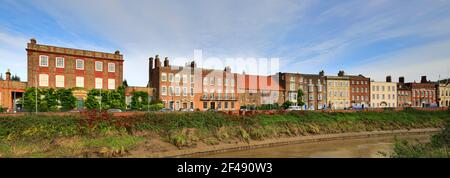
column 150, row 61
column 228, row 69
column 424, row 79
column 166, row 62
column 157, row 61
column 150, row 68
column 8, row 75
column 388, row 78
column 341, row 73
column 193, row 64
column 401, row 79
column 321, row 73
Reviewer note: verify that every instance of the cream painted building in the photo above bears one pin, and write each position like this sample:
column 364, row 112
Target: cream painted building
column 383, row 94
column 338, row 92
column 444, row 95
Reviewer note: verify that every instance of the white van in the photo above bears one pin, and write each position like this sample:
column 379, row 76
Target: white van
column 294, row 108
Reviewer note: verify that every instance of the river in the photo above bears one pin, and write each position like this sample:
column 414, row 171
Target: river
column 348, row 148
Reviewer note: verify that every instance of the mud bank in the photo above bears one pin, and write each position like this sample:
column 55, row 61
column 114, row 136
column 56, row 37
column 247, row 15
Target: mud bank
column 239, row 145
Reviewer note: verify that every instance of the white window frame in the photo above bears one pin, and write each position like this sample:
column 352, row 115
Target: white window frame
column 79, row 82
column 111, row 67
column 171, row 92
column 111, row 84
column 59, row 81
column 101, row 67
column 41, row 58
column 98, row 83
column 81, row 62
column 170, row 77
column 163, row 77
column 177, row 91
column 185, row 92
column 43, row 80
column 164, row 91
column 56, row 62
column 185, row 79
column 177, row 78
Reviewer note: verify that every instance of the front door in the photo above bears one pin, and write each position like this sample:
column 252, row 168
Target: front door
column 213, row 105
column 80, row 104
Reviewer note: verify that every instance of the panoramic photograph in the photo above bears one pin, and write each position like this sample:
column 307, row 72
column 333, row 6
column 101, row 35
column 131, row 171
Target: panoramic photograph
column 201, row 79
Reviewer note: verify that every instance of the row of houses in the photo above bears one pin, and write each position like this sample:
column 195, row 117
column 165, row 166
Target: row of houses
column 197, row 88
column 193, row 87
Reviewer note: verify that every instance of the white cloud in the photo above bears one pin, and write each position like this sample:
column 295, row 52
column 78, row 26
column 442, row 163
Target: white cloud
column 431, row 60
column 172, row 28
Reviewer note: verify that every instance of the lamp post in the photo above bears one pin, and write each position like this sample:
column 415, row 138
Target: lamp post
column 36, row 93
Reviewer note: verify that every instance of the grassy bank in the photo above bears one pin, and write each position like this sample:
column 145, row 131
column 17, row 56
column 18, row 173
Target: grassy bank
column 96, row 134
column 438, row 147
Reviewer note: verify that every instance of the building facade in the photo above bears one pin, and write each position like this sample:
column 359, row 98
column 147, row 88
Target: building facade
column 423, row 93
column 255, row 90
column 313, row 86
column 190, row 87
column 338, row 89
column 404, row 93
column 359, row 91
column 58, row 67
column 10, row 93
column 383, row 94
column 444, row 94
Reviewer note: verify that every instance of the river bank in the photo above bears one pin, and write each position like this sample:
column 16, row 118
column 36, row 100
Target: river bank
column 175, row 134
column 241, row 146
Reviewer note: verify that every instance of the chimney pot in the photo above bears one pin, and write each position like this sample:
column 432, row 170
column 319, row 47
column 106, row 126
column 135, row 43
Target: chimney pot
column 401, row 80
column 388, row 78
column 424, row 79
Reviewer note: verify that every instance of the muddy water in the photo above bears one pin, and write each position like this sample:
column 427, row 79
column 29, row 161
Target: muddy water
column 348, row 148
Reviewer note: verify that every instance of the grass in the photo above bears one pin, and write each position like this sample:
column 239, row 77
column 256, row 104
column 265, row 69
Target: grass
column 439, row 147
column 99, row 134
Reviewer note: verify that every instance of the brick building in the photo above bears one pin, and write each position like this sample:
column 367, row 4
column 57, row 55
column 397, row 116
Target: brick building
column 192, row 87
column 10, row 92
column 58, row 67
column 403, row 93
column 314, row 87
column 255, row 90
column 359, row 91
column 131, row 89
column 423, row 93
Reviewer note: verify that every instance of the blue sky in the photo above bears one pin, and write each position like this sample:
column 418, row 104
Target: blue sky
column 372, row 37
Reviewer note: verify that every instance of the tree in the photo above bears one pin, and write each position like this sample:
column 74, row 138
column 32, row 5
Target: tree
column 48, row 100
column 109, row 99
column 66, row 99
column 125, row 83
column 139, row 100
column 286, row 104
column 300, row 101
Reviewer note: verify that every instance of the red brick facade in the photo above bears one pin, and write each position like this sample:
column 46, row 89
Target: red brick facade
column 190, row 87
column 359, row 91
column 42, row 67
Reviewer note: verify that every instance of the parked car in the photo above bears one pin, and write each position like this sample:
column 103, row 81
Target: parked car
column 114, row 110
column 294, row 108
column 165, row 110
column 187, row 110
column 212, row 110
